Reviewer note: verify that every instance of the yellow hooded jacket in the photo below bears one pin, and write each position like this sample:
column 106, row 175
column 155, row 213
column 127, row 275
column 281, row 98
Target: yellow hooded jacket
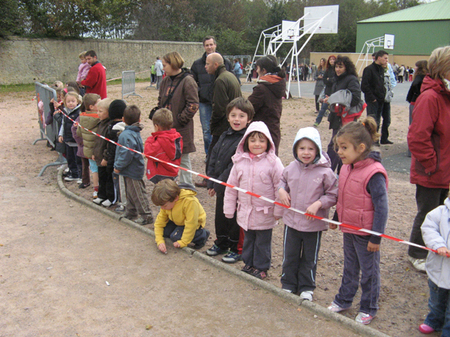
column 187, row 212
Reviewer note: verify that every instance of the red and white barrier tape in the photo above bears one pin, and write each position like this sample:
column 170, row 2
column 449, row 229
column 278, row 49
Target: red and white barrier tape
column 262, row 197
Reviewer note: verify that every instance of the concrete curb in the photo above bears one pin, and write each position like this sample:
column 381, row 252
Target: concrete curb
column 311, row 306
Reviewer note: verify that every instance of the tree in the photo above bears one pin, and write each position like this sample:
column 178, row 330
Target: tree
column 11, row 18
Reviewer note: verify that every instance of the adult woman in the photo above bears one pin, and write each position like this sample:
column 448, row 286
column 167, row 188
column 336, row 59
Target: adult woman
column 319, row 81
column 429, row 143
column 178, row 93
column 328, row 79
column 346, row 78
column 268, row 94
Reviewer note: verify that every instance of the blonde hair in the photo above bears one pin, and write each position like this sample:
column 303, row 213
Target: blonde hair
column 165, row 191
column 104, row 103
column 163, row 118
column 82, row 55
column 174, row 59
column 74, row 94
column 363, row 131
column 439, row 62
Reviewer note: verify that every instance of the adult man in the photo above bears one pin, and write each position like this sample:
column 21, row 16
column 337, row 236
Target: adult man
column 372, row 84
column 159, row 72
column 95, row 81
column 226, row 88
column 205, row 83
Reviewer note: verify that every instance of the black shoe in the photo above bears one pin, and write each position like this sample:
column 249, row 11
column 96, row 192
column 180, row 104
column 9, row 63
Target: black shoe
column 83, row 185
column 203, row 183
column 386, row 142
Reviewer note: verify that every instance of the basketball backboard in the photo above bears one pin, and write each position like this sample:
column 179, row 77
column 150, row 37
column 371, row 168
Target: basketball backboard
column 314, row 14
column 389, row 41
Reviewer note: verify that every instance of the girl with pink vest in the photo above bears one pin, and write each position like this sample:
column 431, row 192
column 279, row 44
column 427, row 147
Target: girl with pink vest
column 256, row 168
column 362, row 202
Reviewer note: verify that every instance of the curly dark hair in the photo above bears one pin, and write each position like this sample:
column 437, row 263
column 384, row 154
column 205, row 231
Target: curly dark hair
column 348, row 64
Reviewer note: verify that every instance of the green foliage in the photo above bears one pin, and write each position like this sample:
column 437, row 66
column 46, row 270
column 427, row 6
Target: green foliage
column 236, row 24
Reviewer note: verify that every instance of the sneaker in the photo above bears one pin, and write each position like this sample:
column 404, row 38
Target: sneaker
column 316, row 125
column 418, row 264
column 231, row 257
column 335, row 307
column 288, row 291
column 98, row 201
column 306, row 295
column 120, row 209
column 201, row 245
column 83, row 185
column 363, row 318
column 129, row 216
column 425, row 329
column 95, row 194
column 202, row 184
column 215, row 250
column 248, row 269
column 70, row 178
column 79, row 181
column 386, row 142
column 261, row 274
column 107, row 203
column 144, row 220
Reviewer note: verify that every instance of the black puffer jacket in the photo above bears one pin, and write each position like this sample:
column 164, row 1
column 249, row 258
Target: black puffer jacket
column 204, row 80
column 220, row 163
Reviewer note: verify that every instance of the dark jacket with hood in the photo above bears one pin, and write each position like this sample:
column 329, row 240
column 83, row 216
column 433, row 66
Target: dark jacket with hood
column 267, row 101
column 204, row 80
column 130, row 164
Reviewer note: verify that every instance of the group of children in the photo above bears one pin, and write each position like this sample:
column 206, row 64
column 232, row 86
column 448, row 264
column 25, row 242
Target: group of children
column 245, row 157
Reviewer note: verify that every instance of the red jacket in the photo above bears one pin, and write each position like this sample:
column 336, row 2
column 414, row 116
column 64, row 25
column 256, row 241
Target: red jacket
column 95, row 81
column 429, row 136
column 165, row 145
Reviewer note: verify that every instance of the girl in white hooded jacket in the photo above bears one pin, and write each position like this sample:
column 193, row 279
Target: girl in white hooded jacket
column 257, row 169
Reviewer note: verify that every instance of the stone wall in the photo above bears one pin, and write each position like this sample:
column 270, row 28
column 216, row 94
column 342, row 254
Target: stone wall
column 47, row 60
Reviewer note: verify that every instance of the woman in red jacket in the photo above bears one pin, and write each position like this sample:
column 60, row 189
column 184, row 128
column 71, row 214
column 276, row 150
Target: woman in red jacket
column 429, row 143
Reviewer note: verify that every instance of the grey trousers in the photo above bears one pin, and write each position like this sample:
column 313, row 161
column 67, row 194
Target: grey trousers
column 257, row 250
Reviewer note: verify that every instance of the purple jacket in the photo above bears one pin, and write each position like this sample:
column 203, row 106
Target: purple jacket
column 306, row 184
column 261, row 175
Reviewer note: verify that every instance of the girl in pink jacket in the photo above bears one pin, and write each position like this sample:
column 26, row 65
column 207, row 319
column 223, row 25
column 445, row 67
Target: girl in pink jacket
column 256, row 168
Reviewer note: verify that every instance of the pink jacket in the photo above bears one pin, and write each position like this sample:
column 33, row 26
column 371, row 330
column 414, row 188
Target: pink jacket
column 261, row 175
column 306, row 184
column 83, row 70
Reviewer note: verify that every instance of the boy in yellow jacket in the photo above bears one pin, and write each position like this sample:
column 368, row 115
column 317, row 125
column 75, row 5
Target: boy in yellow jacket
column 181, row 218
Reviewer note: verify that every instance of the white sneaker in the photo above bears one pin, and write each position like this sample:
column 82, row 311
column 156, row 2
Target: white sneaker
column 79, row 181
column 98, row 201
column 306, row 295
column 95, row 194
column 419, row 264
column 363, row 318
column 106, row 203
column 335, row 308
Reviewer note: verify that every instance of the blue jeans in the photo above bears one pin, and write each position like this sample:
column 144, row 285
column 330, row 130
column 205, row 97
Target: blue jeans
column 375, row 109
column 439, row 304
column 175, row 233
column 321, row 113
column 205, row 119
column 357, row 258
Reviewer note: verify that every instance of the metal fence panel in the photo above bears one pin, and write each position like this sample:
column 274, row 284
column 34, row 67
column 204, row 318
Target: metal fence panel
column 129, row 83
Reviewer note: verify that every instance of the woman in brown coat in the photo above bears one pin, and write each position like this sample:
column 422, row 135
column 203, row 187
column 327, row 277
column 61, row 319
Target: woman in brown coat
column 267, row 96
column 178, row 93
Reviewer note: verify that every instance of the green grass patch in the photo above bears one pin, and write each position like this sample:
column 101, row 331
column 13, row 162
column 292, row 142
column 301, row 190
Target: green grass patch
column 17, row 88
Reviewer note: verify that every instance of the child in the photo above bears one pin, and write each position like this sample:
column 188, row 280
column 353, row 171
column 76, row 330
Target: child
column 362, row 202
column 307, row 184
column 181, row 218
column 256, row 168
column 435, row 232
column 89, row 119
column 131, row 165
column 72, row 102
column 115, row 127
column 83, row 70
column 240, row 113
column 105, row 185
column 166, row 144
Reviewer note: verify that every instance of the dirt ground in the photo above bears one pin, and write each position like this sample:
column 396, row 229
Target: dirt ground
column 404, row 293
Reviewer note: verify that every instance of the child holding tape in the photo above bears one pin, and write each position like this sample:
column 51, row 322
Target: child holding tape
column 307, row 184
column 363, row 203
column 256, row 168
column 436, row 235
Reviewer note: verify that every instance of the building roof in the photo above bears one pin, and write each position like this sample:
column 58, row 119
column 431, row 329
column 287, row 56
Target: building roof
column 438, row 10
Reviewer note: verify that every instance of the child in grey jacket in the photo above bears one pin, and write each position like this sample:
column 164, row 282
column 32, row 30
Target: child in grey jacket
column 436, row 235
